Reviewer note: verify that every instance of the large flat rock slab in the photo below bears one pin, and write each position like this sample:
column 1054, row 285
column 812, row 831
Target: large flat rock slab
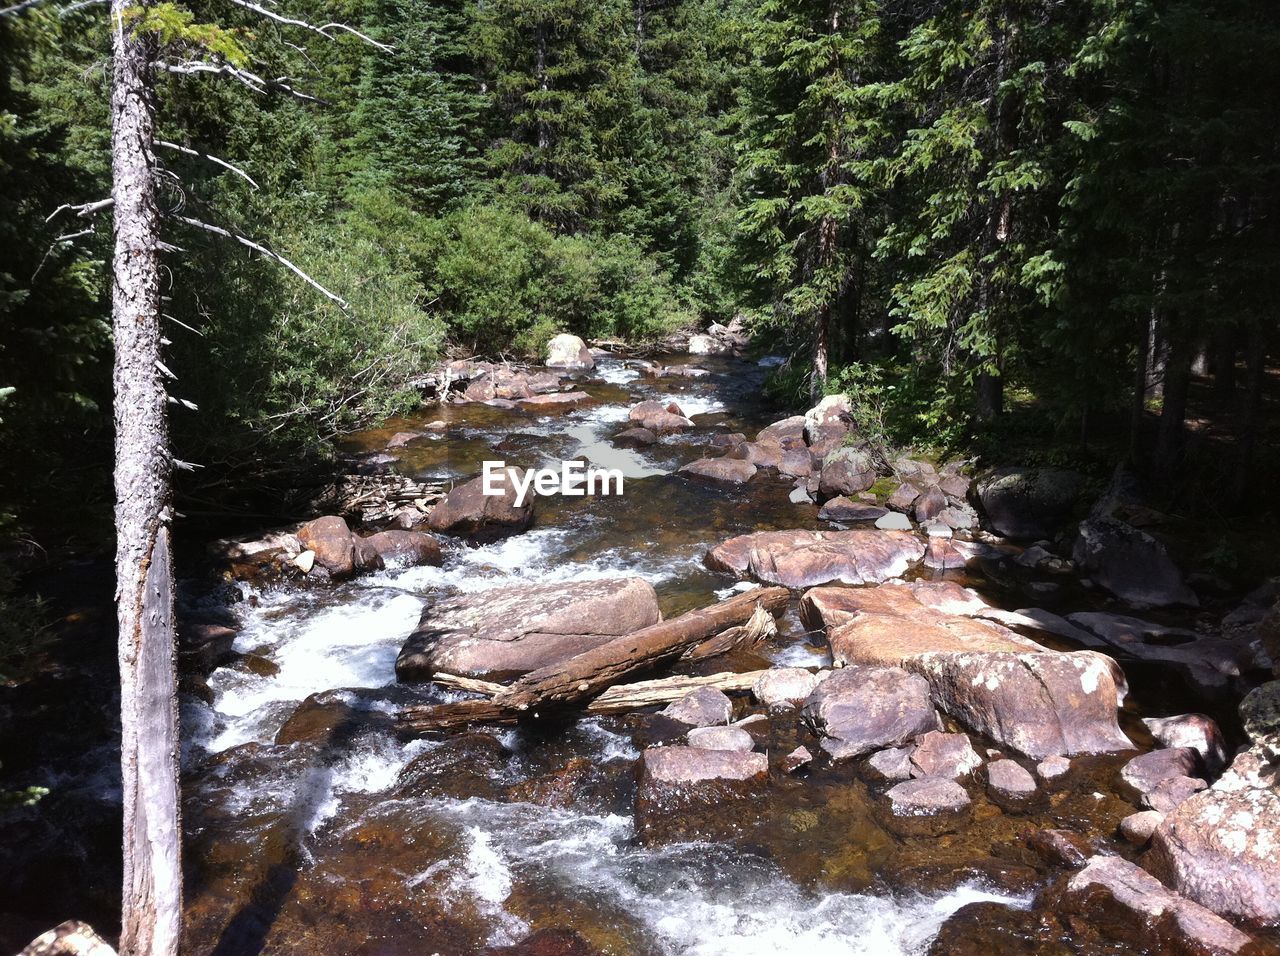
column 505, row 632
column 1031, row 699
column 801, row 559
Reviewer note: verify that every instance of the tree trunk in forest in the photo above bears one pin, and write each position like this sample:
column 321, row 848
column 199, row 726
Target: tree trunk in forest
column 1255, row 375
column 990, row 396
column 1177, row 385
column 1224, row 365
column 152, row 897
column 821, row 348
column 1138, row 409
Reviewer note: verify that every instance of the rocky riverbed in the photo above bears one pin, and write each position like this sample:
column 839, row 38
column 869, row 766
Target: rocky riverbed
column 995, row 713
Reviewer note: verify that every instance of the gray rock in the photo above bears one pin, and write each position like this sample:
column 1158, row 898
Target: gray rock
column 1028, row 503
column 569, row 351
column 1131, row 564
column 892, row 764
column 1197, row 731
column 863, row 708
column 1008, row 784
column 1138, row 827
column 846, row 471
column 893, row 521
column 939, row 754
column 720, row 738
column 785, row 686
column 704, row 707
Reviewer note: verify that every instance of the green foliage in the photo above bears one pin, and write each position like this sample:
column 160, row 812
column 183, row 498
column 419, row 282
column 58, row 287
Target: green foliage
column 176, row 27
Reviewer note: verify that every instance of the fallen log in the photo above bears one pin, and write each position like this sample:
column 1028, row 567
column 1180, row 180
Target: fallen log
column 760, row 627
column 588, row 675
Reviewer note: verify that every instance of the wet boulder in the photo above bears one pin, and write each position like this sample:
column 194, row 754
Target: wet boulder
column 504, row 632
column 891, row 764
column 405, row 548
column 1131, row 564
column 463, row 766
column 799, row 559
column 1161, row 774
column 1209, row 665
column 568, row 351
column 1138, row 827
column 468, row 512
column 1122, row 895
column 721, row 738
column 720, row 471
column 903, row 498
column 635, row 436
column 704, row 707
column 685, row 787
column 846, row 471
column 1030, row 503
column 828, row 424
column 556, row 401
column 331, row 541
column 860, row 709
column 1221, row 847
column 659, row 418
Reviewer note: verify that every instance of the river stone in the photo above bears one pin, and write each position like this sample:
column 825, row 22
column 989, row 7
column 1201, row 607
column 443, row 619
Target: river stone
column 929, row 505
column 1124, row 895
column 958, row 517
column 780, row 431
column 1030, row 503
column 954, row 486
column 893, row 521
column 891, row 764
column 507, row 631
column 1009, row 784
column 1145, row 771
column 406, row 548
column 690, row 765
column 1197, row 731
column 903, row 497
column 796, row 760
column 1138, row 827
column 800, row 559
column 720, row 738
column 568, row 351
column 1221, row 847
column 1170, row 794
column 860, row 709
column 1212, row 666
column 1053, row 769
column 844, row 509
column 930, row 805
column 724, row 471
column 939, row 754
column 680, row 786
column 556, row 401
column 1131, row 564
column 828, row 424
column 846, row 471
column 468, row 512
column 785, row 686
column 331, row 540
column 635, row 436
column 659, row 418
column 704, row 707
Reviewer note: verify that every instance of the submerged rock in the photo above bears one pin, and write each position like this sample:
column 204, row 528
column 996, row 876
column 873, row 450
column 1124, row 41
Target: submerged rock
column 504, row 632
column 799, row 559
column 860, row 709
column 939, row 754
column 468, row 512
column 928, row 805
column 1009, row 784
column 721, row 738
column 659, row 418
column 1152, row 916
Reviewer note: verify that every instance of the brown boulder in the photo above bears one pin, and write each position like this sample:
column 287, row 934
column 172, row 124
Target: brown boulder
column 704, row 707
column 860, row 709
column 405, row 548
column 828, row 424
column 722, row 471
column 846, row 471
column 658, row 418
column 468, row 512
column 845, row 509
column 939, row 754
column 635, row 436
column 331, row 540
column 928, row 805
column 505, row 632
column 556, row 401
column 800, row 559
column 903, row 497
column 1197, row 731
column 1009, row 784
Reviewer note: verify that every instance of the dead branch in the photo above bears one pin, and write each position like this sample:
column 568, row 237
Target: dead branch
column 83, row 210
column 760, row 627
column 322, row 30
column 259, row 248
column 590, row 674
column 210, row 158
column 248, row 78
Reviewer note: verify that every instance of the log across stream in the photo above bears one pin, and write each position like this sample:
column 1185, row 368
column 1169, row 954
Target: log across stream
column 317, row 824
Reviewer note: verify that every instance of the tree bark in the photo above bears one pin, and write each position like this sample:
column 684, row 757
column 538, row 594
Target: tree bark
column 152, row 897
column 1177, row 386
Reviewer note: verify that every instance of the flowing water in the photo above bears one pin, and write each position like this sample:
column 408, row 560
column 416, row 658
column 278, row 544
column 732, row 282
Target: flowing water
column 316, row 829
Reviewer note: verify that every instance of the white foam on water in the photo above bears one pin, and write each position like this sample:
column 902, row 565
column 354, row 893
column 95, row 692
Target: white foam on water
column 692, row 403
column 603, row 453
column 689, row 899
column 616, row 373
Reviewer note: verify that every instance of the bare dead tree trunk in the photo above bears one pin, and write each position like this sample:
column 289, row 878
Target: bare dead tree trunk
column 152, row 898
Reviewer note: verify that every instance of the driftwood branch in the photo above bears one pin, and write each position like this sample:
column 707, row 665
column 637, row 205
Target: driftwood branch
column 258, row 247
column 587, row 676
column 209, row 157
column 323, row 30
column 759, row 628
